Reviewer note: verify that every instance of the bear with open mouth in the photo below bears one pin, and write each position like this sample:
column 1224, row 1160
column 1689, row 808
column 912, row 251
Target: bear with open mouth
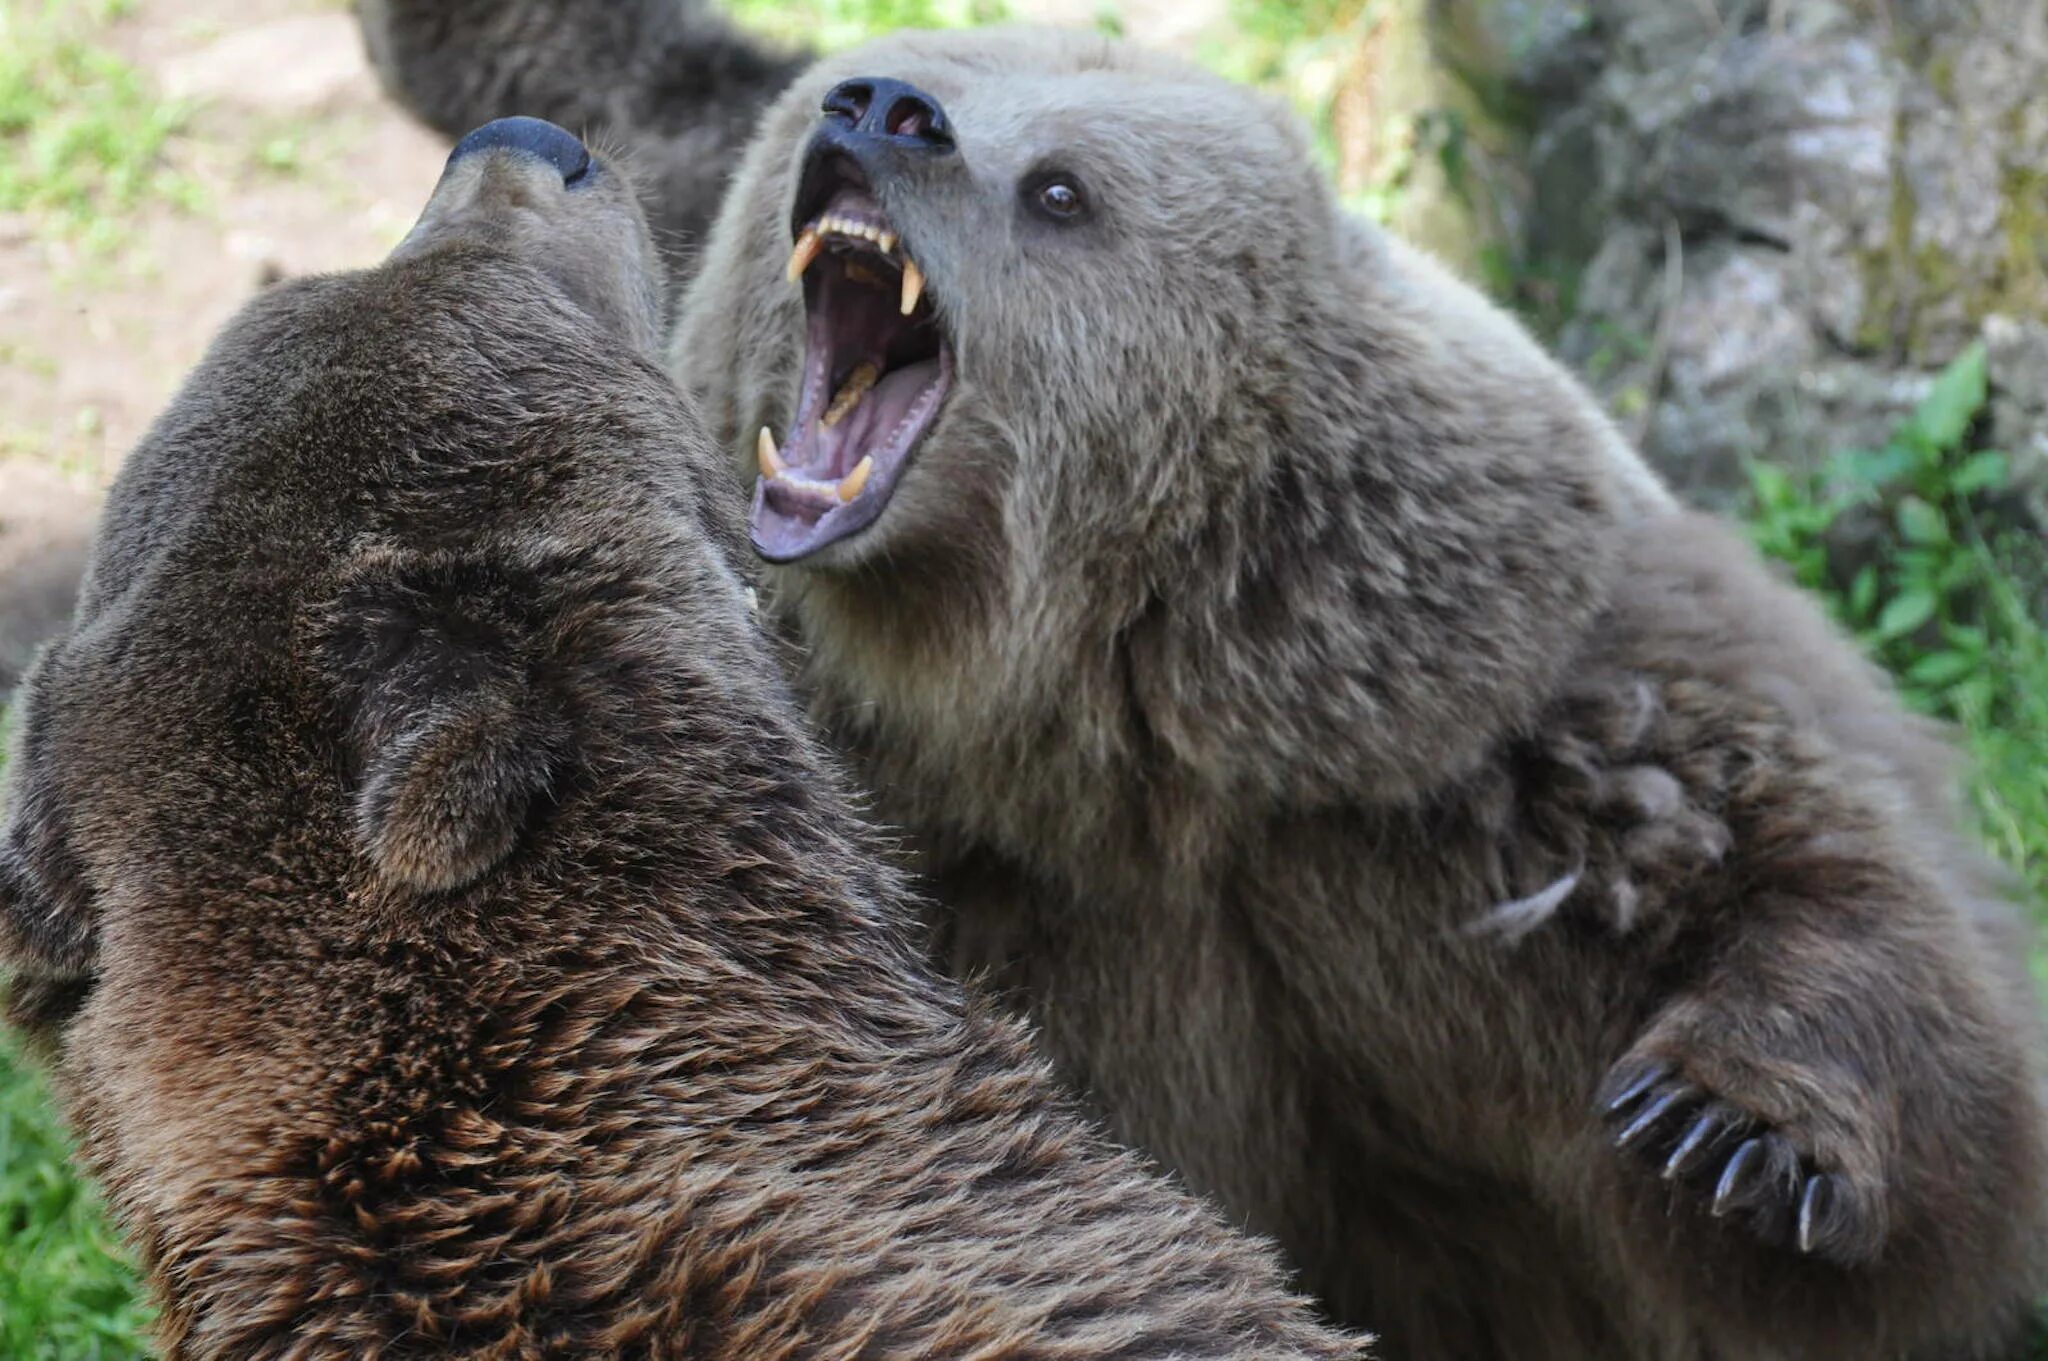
column 1398, row 814
column 448, row 937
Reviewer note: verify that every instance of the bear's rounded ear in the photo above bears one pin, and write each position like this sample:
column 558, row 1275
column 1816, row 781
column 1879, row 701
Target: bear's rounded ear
column 443, row 797
column 457, row 740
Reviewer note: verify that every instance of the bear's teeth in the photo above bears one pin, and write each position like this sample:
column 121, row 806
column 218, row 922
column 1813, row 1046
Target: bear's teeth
column 887, row 243
column 772, row 465
column 913, row 286
column 857, row 384
column 850, row 485
column 808, row 244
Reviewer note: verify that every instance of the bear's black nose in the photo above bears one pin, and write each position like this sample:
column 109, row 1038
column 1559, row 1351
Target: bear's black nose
column 890, row 108
column 533, row 136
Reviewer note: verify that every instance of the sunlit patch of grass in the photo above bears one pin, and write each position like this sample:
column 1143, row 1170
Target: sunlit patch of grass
column 82, row 132
column 832, row 24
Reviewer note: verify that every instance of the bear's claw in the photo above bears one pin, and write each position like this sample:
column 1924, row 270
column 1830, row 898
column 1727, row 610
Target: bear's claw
column 1765, row 1183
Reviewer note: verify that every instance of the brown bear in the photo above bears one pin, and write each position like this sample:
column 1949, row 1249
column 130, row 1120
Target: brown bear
column 1401, row 818
column 449, row 940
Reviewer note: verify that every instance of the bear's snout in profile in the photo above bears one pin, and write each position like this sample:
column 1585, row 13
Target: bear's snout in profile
column 446, row 938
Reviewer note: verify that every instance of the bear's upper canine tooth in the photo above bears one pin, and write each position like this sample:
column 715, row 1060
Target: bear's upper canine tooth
column 857, row 384
column 808, row 244
column 913, row 286
column 770, row 457
column 850, row 485
column 887, row 242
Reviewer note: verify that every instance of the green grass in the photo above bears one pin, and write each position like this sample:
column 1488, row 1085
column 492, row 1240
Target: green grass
column 82, row 132
column 66, row 1287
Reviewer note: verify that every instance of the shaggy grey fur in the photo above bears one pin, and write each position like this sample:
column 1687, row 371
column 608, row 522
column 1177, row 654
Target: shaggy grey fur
column 1398, row 816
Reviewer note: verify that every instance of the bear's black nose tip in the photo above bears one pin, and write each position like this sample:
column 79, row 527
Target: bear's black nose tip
column 893, row 109
column 535, row 137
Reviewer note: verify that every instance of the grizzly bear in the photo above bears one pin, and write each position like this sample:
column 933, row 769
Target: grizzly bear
column 449, row 940
column 1400, row 817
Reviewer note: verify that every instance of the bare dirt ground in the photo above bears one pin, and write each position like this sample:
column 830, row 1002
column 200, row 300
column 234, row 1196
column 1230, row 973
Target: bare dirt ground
column 297, row 164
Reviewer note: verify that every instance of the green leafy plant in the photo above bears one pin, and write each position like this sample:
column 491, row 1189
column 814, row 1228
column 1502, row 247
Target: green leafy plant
column 1944, row 600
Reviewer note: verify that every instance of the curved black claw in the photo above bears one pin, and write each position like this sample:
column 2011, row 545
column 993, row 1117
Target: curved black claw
column 1740, row 1169
column 1667, row 1099
column 1831, row 1223
column 1761, row 1182
column 1629, row 1082
column 1705, row 1137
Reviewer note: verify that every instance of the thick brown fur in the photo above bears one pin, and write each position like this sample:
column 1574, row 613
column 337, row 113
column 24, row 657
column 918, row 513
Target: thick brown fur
column 1385, row 799
column 449, row 940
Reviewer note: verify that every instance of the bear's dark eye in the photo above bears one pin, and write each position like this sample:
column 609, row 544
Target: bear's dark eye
column 1056, row 196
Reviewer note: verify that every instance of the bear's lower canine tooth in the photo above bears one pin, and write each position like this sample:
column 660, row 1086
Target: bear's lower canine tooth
column 857, row 384
column 913, row 286
column 772, row 465
column 850, row 485
column 808, row 244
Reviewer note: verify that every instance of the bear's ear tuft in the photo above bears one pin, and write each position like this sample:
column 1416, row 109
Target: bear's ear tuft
column 457, row 742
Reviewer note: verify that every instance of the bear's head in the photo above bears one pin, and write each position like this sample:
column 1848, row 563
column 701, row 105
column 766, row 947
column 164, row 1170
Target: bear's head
column 1075, row 409
column 329, row 642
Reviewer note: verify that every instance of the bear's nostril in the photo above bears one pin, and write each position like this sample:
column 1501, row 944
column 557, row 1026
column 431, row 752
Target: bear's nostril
column 909, row 118
column 849, row 99
column 532, row 137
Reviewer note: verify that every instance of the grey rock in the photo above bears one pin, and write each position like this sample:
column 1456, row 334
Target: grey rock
column 1859, row 190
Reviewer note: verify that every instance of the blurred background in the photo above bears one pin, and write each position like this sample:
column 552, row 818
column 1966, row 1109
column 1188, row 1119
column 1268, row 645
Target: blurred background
column 1799, row 247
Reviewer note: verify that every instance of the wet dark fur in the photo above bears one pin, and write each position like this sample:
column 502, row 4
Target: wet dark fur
column 1386, row 800
column 448, row 939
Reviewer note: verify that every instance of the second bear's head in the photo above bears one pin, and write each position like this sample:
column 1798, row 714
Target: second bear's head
column 1089, row 410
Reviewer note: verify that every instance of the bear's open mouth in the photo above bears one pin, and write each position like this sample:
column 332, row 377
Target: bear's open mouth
column 876, row 369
